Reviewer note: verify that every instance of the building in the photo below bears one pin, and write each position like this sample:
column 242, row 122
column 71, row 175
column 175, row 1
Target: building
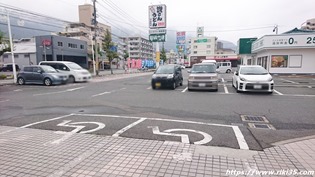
column 138, row 47
column 24, row 52
column 59, row 48
column 201, row 48
column 289, row 53
column 244, row 51
column 309, row 24
column 171, row 57
column 84, row 30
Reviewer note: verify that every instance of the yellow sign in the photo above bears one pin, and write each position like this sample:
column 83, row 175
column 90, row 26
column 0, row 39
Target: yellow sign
column 157, row 57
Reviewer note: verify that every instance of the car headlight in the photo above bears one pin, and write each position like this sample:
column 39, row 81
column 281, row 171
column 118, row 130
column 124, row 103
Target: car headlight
column 170, row 76
column 153, row 76
column 270, row 79
column 190, row 77
column 242, row 79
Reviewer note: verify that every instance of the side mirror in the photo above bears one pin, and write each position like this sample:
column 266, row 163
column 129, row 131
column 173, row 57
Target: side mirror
column 236, row 73
column 217, row 70
column 188, row 71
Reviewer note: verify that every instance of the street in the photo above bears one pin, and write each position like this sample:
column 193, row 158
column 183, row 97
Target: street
column 126, row 106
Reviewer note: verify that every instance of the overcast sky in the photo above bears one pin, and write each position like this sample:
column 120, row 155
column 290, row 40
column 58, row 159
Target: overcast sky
column 226, row 19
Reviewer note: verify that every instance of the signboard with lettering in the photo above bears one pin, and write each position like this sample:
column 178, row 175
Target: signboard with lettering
column 157, row 37
column 46, row 42
column 157, row 16
column 157, row 31
column 285, row 41
column 181, row 37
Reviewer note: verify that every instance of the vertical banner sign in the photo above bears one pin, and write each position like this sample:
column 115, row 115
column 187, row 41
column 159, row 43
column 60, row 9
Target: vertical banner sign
column 157, row 16
column 181, row 41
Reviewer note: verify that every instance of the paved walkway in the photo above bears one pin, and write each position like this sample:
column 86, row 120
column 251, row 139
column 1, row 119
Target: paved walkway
column 32, row 152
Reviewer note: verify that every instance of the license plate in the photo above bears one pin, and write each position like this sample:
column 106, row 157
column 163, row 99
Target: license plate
column 257, row 86
column 202, row 84
column 157, row 84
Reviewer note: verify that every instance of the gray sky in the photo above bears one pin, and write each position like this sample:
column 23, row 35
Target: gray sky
column 225, row 19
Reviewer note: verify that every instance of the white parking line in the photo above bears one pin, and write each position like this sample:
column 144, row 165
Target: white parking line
column 68, row 90
column 185, row 89
column 239, row 136
column 4, row 101
column 289, row 81
column 278, row 92
column 149, row 88
column 225, row 88
column 309, row 86
column 100, row 94
column 128, row 127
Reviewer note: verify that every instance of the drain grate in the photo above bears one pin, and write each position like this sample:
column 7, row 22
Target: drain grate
column 261, row 126
column 251, row 118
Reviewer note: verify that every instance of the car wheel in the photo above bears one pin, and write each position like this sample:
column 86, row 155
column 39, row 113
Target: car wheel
column 71, row 79
column 153, row 86
column 181, row 83
column 174, row 85
column 47, row 82
column 21, row 81
column 228, row 71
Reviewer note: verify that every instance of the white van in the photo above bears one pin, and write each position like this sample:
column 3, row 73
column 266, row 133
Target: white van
column 209, row 61
column 76, row 72
column 224, row 67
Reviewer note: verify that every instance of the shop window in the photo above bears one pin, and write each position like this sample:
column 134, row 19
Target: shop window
column 279, row 61
column 60, row 44
column 295, row 61
column 26, row 55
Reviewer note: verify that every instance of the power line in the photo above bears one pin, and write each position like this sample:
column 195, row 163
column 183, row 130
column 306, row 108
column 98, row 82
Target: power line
column 28, row 28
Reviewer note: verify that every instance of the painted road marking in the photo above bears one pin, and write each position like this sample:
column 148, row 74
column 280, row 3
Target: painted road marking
column 309, row 86
column 156, row 130
column 207, row 138
column 185, row 90
column 225, row 88
column 300, row 95
column 64, row 91
column 239, row 136
column 112, row 91
column 78, row 128
column 100, row 94
column 35, row 123
column 17, row 90
column 4, row 101
column 149, row 88
column 289, row 81
column 277, row 92
column 128, row 127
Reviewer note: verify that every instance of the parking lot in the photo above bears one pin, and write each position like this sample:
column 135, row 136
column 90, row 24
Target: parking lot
column 126, row 106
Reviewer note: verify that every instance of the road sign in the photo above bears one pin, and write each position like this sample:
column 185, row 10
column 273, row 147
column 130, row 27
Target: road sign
column 157, row 31
column 157, row 37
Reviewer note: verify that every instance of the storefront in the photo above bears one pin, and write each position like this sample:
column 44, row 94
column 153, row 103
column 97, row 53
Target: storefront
column 285, row 53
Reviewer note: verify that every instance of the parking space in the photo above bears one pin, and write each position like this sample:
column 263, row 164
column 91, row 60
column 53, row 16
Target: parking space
column 189, row 132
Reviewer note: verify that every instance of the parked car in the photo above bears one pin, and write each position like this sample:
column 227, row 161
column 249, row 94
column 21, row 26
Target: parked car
column 9, row 67
column 224, row 67
column 75, row 72
column 36, row 74
column 167, row 76
column 252, row 78
column 203, row 76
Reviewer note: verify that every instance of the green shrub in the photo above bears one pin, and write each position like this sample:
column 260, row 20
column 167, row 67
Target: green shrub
column 2, row 76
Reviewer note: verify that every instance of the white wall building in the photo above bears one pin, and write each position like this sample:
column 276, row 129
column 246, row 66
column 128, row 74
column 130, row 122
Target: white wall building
column 138, row 47
column 201, row 48
column 309, row 24
column 24, row 53
column 286, row 53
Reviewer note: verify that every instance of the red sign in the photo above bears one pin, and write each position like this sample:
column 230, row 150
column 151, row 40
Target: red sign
column 46, row 42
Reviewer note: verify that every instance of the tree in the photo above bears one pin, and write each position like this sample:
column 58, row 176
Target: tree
column 4, row 46
column 126, row 55
column 108, row 47
column 163, row 55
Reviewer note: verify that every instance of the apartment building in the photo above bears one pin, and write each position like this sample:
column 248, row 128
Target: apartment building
column 309, row 24
column 138, row 47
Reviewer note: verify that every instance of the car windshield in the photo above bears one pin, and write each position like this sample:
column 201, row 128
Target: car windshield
column 74, row 66
column 167, row 69
column 203, row 69
column 253, row 71
column 49, row 69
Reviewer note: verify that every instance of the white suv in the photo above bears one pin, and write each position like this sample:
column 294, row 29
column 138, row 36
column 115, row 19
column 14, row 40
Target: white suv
column 76, row 72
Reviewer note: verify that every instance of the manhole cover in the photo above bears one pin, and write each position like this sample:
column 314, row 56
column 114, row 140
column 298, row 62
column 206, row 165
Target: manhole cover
column 252, row 118
column 262, row 126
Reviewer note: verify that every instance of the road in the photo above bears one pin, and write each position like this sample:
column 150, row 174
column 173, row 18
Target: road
column 126, row 106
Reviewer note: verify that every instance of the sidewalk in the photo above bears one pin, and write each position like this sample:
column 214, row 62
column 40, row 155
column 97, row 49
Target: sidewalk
column 32, row 152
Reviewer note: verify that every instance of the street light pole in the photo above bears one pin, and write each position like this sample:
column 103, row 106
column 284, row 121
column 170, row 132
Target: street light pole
column 12, row 48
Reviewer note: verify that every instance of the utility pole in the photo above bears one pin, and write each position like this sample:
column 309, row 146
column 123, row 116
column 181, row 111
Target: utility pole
column 12, row 48
column 94, row 22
